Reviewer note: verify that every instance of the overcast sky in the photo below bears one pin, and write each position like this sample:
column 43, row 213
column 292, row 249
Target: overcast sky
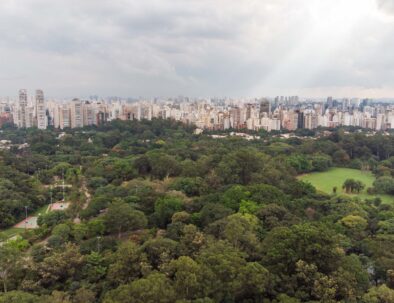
column 198, row 47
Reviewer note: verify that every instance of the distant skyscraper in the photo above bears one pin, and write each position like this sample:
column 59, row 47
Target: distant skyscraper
column 265, row 107
column 345, row 104
column 329, row 102
column 64, row 116
column 22, row 112
column 235, row 117
column 88, row 114
column 76, row 112
column 310, row 120
column 300, row 119
column 41, row 117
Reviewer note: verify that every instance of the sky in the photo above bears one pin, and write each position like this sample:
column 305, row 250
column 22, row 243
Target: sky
column 199, row 48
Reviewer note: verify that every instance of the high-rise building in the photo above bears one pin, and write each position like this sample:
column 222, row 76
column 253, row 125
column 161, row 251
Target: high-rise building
column 64, row 116
column 22, row 110
column 330, row 102
column 235, row 118
column 76, row 113
column 310, row 120
column 42, row 121
column 88, row 114
column 265, row 107
column 300, row 119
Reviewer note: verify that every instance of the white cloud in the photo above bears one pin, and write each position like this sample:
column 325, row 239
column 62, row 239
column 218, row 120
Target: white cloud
column 200, row 48
column 387, row 6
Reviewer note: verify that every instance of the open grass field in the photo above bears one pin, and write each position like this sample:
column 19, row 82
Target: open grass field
column 325, row 181
column 42, row 210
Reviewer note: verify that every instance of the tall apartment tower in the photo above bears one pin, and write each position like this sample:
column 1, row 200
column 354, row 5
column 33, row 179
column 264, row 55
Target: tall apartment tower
column 265, row 107
column 22, row 112
column 64, row 116
column 330, row 102
column 41, row 117
column 88, row 114
column 76, row 113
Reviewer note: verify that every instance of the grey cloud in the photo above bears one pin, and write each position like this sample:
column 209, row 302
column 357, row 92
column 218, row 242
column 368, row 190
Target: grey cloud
column 386, row 6
column 198, row 47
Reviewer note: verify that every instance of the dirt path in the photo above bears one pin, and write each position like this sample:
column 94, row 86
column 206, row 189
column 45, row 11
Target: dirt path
column 88, row 197
column 87, row 194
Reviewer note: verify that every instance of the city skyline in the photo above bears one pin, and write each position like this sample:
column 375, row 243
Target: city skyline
column 281, row 113
column 198, row 48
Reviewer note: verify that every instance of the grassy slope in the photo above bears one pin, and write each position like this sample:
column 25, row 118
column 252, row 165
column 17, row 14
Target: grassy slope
column 325, row 181
column 12, row 231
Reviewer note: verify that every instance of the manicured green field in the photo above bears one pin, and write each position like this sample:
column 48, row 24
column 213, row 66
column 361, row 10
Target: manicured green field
column 325, row 181
column 42, row 210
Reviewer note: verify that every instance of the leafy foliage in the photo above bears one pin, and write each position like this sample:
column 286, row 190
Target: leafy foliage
column 158, row 214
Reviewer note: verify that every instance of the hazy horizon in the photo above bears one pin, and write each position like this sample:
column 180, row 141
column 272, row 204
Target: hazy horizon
column 31, row 94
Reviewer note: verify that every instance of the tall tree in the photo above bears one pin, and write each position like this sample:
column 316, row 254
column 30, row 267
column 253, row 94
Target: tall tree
column 121, row 217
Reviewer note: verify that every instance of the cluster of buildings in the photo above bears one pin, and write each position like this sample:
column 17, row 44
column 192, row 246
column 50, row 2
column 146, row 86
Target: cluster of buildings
column 288, row 113
column 34, row 111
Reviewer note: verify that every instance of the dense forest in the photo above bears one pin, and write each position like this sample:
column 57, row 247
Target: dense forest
column 159, row 214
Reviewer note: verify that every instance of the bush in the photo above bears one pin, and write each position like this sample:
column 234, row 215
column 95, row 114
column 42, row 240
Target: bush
column 52, row 218
column 384, row 185
column 97, row 182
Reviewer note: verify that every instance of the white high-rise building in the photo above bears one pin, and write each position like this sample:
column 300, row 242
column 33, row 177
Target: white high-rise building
column 88, row 114
column 65, row 116
column 76, row 112
column 42, row 121
column 380, row 122
column 22, row 109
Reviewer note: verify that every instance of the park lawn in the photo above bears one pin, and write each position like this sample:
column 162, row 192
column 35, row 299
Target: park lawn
column 325, row 181
column 42, row 210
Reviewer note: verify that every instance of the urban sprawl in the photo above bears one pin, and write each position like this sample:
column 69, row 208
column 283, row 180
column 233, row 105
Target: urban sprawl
column 280, row 113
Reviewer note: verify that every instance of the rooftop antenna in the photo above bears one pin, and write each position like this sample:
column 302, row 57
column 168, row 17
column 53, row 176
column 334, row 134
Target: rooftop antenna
column 26, row 217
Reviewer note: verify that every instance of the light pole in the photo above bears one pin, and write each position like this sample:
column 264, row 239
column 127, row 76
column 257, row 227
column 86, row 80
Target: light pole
column 51, row 194
column 98, row 244
column 25, row 217
column 64, row 194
